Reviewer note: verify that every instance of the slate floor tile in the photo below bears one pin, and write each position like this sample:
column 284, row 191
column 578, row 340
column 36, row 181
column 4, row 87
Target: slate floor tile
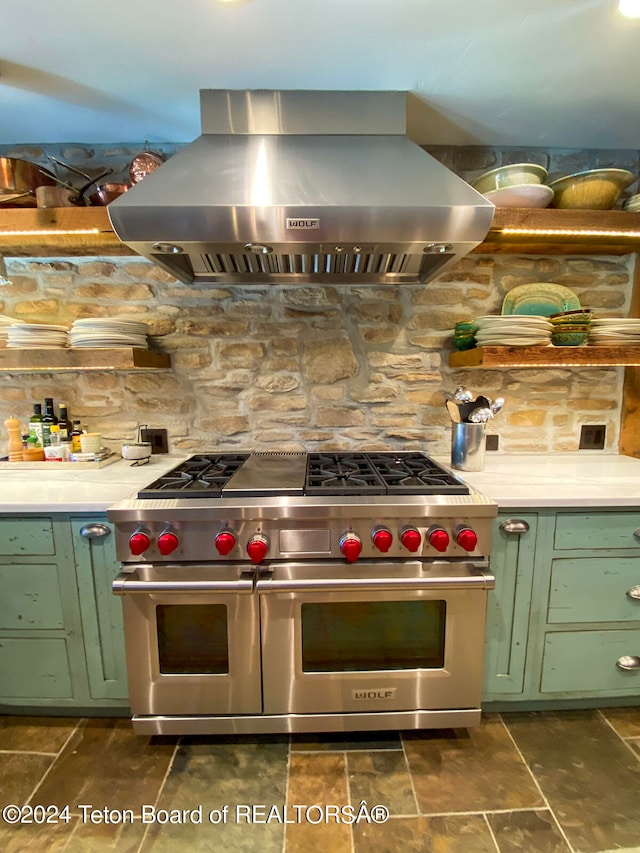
column 243, row 774
column 468, row 770
column 589, row 777
column 625, row 721
column 20, row 774
column 35, row 734
column 317, row 779
column 531, row 831
column 441, row 834
column 381, row 778
column 104, row 764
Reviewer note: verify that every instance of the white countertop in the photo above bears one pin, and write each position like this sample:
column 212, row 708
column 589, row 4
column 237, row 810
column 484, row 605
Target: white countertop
column 51, row 490
column 579, row 479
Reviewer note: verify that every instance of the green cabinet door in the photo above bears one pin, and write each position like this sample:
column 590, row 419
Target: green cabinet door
column 96, row 567
column 512, row 559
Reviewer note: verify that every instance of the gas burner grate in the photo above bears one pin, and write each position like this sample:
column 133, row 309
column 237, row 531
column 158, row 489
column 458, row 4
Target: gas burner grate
column 415, row 474
column 341, row 474
column 201, row 476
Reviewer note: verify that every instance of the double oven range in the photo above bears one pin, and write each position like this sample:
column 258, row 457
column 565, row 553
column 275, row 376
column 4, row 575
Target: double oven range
column 291, row 592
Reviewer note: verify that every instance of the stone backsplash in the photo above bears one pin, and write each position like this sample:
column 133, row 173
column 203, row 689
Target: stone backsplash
column 296, row 367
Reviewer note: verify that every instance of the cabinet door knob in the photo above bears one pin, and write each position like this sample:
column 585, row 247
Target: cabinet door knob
column 636, row 533
column 628, row 662
column 94, row 530
column 634, row 592
column 514, row 525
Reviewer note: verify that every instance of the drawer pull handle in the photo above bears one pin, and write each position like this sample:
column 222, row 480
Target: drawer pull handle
column 514, row 525
column 95, row 530
column 628, row 662
column 634, row 592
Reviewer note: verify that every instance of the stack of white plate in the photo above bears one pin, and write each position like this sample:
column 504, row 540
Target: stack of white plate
column 513, row 330
column 633, row 203
column 614, row 331
column 5, row 322
column 109, row 332
column 37, row 335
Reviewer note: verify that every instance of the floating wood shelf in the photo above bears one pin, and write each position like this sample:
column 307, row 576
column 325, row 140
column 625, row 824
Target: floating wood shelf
column 55, row 232
column 89, row 358
column 549, row 356
column 562, row 232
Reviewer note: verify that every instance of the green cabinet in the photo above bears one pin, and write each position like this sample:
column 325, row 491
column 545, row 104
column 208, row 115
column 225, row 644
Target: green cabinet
column 512, row 561
column 61, row 638
column 563, row 623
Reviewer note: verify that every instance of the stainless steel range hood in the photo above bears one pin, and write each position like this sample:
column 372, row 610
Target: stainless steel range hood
column 302, row 187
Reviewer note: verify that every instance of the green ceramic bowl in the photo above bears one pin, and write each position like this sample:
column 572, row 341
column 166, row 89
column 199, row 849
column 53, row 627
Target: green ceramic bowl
column 569, row 338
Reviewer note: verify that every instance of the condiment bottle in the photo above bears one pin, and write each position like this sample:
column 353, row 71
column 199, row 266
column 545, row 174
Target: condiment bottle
column 15, row 438
column 76, row 432
column 48, row 420
column 64, row 423
column 35, row 421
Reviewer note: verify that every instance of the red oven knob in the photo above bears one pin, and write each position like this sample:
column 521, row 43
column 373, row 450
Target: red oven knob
column 351, row 546
column 139, row 542
column 167, row 543
column 467, row 539
column 225, row 542
column 382, row 539
column 411, row 539
column 257, row 548
column 438, row 539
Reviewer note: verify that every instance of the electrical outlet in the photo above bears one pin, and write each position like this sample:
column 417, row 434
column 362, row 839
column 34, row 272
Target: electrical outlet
column 157, row 438
column 491, row 442
column 592, row 436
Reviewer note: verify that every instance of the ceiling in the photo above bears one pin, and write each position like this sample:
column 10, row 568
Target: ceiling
column 550, row 73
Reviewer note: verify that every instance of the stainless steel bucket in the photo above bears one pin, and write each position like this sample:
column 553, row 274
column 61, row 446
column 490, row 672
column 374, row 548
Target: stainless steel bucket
column 467, row 446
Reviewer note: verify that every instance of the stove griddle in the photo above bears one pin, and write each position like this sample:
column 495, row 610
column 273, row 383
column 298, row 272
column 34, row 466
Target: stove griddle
column 219, row 475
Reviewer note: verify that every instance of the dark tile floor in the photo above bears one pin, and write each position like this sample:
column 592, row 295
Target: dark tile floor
column 539, row 782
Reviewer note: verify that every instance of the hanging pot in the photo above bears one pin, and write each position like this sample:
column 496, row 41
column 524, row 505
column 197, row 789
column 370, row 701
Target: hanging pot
column 19, row 180
column 145, row 163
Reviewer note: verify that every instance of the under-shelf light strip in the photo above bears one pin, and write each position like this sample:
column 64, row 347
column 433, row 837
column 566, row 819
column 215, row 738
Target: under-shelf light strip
column 570, row 232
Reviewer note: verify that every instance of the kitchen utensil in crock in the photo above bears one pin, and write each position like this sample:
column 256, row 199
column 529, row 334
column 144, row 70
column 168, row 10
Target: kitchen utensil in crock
column 462, row 394
column 19, row 180
column 454, row 411
column 480, row 416
column 496, row 405
column 144, row 163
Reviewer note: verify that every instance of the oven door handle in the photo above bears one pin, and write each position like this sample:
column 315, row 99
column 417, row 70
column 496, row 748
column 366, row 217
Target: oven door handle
column 126, row 583
column 479, row 580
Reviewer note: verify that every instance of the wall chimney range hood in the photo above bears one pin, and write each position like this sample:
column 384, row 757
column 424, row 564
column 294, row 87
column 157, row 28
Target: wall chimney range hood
column 302, row 187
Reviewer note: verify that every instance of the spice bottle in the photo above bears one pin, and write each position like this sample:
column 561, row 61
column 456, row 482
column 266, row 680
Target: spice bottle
column 15, row 439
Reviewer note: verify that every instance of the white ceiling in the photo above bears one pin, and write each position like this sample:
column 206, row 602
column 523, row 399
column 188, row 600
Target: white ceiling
column 551, row 73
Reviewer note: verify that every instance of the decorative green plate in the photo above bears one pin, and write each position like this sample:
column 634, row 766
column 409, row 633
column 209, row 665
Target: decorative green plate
column 541, row 298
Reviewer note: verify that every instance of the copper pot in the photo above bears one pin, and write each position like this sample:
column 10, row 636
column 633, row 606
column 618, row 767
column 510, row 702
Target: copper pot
column 19, row 180
column 107, row 193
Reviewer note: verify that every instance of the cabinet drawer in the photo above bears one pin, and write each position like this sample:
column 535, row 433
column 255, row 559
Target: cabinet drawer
column 24, row 537
column 596, row 530
column 30, row 597
column 594, row 590
column 585, row 662
column 34, row 669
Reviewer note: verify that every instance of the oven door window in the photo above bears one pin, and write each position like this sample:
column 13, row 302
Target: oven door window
column 192, row 639
column 370, row 636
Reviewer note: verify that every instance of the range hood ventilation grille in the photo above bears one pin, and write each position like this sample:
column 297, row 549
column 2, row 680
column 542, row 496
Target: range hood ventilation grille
column 296, row 267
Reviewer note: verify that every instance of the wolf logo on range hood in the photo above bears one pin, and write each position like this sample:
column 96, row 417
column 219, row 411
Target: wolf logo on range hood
column 302, row 187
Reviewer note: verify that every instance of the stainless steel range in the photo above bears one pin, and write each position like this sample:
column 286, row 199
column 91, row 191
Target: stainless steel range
column 271, row 592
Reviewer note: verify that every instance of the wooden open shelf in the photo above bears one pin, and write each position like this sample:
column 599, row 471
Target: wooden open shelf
column 90, row 358
column 14, row 242
column 51, row 241
column 548, row 356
